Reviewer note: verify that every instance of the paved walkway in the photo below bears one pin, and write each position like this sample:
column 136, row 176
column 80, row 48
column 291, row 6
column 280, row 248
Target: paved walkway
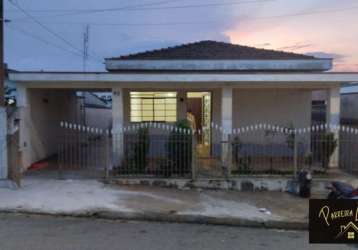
column 91, row 197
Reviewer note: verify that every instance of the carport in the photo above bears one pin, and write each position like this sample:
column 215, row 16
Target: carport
column 41, row 111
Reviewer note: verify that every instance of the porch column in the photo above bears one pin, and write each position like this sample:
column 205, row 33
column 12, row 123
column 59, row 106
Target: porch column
column 117, row 125
column 333, row 118
column 24, row 126
column 3, row 144
column 226, row 123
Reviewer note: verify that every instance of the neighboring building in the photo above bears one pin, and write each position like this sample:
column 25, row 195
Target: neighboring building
column 94, row 110
column 225, row 84
column 349, row 105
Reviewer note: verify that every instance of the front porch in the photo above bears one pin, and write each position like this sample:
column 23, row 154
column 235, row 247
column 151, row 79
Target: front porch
column 245, row 125
column 151, row 150
column 246, row 130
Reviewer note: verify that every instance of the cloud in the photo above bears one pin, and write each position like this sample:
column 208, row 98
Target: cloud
column 321, row 54
column 296, row 47
column 230, row 23
column 107, row 41
column 262, row 44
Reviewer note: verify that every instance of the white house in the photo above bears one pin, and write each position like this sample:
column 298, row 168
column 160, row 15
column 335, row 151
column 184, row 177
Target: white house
column 225, row 84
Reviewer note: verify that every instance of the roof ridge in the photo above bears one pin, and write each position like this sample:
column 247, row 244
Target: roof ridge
column 211, row 50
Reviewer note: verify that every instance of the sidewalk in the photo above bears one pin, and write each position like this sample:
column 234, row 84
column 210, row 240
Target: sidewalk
column 93, row 198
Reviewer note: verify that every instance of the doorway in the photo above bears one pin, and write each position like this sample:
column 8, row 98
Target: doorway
column 199, row 112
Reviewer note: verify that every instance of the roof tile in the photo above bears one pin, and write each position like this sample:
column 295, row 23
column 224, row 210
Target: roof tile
column 212, row 50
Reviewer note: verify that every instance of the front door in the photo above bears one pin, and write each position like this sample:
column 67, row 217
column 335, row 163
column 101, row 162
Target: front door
column 199, row 115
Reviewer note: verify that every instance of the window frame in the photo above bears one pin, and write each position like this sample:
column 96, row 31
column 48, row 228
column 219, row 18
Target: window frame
column 142, row 118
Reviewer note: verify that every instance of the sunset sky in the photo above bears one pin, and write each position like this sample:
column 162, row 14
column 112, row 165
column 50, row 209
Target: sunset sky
column 48, row 35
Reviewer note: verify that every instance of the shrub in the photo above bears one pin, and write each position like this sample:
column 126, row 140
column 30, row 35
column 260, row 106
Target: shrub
column 138, row 159
column 290, row 137
column 242, row 163
column 327, row 144
column 179, row 150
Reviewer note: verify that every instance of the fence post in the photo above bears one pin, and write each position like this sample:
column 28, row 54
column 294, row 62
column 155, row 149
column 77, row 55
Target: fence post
column 193, row 156
column 106, row 154
column 295, row 155
column 61, row 153
column 229, row 156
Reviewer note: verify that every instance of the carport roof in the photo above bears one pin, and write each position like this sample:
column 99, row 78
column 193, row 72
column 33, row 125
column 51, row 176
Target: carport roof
column 176, row 80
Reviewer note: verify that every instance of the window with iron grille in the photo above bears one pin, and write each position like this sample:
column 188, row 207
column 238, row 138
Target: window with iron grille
column 153, row 106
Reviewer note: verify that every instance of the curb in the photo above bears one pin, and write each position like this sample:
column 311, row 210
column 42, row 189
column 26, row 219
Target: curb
column 172, row 218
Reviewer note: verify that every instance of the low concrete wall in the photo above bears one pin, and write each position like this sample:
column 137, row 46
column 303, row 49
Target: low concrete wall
column 258, row 183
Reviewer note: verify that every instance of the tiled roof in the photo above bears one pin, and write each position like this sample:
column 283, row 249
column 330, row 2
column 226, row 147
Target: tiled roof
column 212, row 50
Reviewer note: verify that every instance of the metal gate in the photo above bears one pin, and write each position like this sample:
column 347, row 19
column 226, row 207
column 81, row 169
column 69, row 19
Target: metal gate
column 141, row 150
column 83, row 150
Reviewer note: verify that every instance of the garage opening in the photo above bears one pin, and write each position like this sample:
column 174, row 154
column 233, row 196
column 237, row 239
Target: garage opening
column 42, row 132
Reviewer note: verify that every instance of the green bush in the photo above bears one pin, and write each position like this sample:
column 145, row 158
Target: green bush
column 290, row 137
column 243, row 164
column 179, row 150
column 326, row 146
column 138, row 160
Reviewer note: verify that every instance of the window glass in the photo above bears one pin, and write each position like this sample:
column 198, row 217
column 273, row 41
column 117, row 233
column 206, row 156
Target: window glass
column 153, row 106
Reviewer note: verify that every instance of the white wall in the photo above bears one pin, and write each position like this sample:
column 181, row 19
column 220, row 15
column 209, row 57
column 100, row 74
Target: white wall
column 98, row 118
column 40, row 123
column 319, row 95
column 277, row 107
column 284, row 108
